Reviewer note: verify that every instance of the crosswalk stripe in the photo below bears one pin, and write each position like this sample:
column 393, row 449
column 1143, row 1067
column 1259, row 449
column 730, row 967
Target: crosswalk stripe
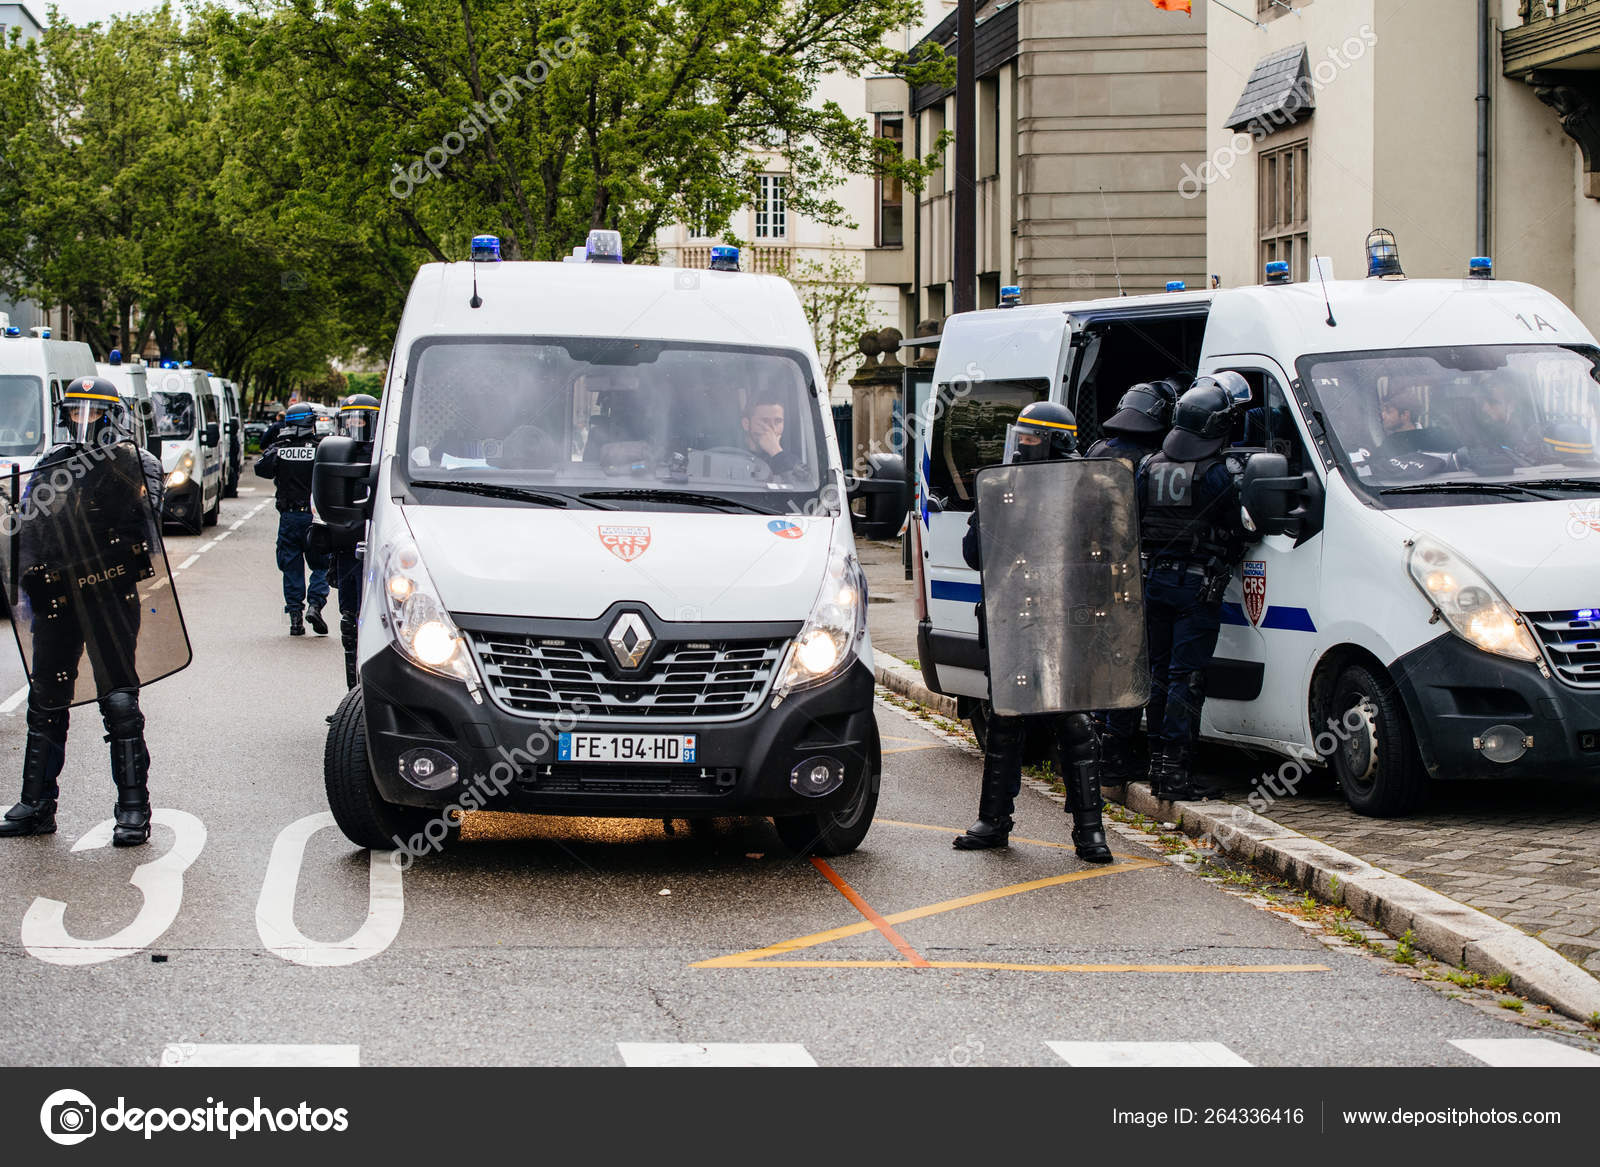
column 733, row 1053
column 1100, row 1054
column 1525, row 1051
column 189, row 1056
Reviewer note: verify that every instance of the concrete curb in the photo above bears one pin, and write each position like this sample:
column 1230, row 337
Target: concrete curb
column 900, row 678
column 1445, row 929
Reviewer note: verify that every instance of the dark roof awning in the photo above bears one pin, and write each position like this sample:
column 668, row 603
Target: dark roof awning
column 1279, row 92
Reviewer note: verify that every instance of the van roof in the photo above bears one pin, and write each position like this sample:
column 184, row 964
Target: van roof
column 122, row 376
column 32, row 353
column 592, row 299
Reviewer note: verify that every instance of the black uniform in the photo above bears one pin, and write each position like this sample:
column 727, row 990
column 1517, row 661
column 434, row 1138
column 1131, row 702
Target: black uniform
column 1192, row 537
column 1074, row 733
column 90, row 609
column 288, row 461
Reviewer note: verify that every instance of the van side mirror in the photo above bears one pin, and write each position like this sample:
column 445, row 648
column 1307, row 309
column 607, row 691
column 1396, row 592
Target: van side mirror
column 341, row 488
column 213, row 436
column 1280, row 503
column 884, row 495
column 233, row 427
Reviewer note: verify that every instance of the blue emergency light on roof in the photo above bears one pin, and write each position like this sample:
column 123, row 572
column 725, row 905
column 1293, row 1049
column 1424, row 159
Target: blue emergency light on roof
column 1010, row 296
column 187, row 365
column 724, row 258
column 13, row 330
column 1588, row 613
column 1480, row 267
column 1175, row 285
column 485, row 249
column 604, row 247
column 42, row 333
column 169, row 364
column 1383, row 255
column 114, row 357
column 1278, row 272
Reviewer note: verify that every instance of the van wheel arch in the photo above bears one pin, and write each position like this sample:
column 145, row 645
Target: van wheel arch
column 1400, row 770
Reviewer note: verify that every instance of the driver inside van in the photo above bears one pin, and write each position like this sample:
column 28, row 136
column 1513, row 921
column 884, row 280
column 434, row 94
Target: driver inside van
column 763, row 432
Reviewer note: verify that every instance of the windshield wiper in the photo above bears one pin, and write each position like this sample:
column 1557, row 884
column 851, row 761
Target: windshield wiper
column 1460, row 488
column 1563, row 484
column 701, row 500
column 498, row 490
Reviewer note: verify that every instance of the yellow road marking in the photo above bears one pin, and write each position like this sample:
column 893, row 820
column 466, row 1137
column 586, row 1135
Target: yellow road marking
column 1000, row 967
column 912, row 750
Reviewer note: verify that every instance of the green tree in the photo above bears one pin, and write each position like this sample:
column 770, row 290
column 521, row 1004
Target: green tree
column 838, row 305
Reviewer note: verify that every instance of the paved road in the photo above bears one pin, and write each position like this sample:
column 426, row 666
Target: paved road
column 1527, row 853
column 252, row 931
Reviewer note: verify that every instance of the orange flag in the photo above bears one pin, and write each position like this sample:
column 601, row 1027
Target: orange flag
column 1184, row 6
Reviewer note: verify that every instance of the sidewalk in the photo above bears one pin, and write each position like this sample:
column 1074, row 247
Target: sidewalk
column 1527, row 854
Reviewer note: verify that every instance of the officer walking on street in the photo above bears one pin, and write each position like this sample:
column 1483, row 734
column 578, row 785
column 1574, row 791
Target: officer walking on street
column 288, row 461
column 1133, row 433
column 87, row 538
column 1191, row 538
column 1044, row 431
column 358, row 421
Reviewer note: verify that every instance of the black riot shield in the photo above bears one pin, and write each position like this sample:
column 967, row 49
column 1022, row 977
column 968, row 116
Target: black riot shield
column 80, row 548
column 1063, row 596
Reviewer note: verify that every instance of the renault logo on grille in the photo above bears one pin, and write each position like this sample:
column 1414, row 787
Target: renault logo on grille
column 629, row 639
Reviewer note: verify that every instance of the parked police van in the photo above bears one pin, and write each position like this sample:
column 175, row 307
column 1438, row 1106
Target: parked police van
column 187, row 420
column 608, row 567
column 132, row 382
column 1424, row 600
column 34, row 372
column 232, row 436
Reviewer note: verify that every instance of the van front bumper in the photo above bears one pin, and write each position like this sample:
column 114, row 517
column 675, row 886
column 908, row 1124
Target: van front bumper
column 1455, row 694
column 510, row 763
column 180, row 504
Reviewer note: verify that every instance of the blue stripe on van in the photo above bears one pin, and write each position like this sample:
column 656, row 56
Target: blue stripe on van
column 1234, row 614
column 1288, row 619
column 949, row 589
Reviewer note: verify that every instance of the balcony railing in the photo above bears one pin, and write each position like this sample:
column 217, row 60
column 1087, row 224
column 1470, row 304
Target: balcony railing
column 1553, row 34
column 766, row 261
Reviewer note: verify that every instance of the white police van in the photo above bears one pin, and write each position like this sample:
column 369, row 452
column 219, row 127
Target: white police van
column 34, row 372
column 1425, row 599
column 131, row 380
column 608, row 568
column 187, row 417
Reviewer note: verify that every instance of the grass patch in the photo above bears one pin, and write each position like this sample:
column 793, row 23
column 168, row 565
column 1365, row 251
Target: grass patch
column 1467, row 980
column 1405, row 951
column 1500, row 982
column 1512, row 1004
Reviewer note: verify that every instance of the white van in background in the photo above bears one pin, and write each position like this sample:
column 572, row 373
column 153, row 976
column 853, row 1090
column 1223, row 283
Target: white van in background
column 131, row 380
column 232, row 436
column 187, row 415
column 34, row 372
column 1424, row 602
column 609, row 568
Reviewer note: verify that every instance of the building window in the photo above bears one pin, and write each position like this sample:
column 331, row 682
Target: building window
column 891, row 191
column 699, row 224
column 1272, row 9
column 1283, row 175
column 772, row 207
column 935, row 127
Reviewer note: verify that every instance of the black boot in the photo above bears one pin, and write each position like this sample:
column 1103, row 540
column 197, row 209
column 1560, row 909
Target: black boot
column 1119, row 766
column 1175, row 782
column 42, row 758
column 348, row 623
column 1002, row 771
column 130, row 768
column 1083, row 801
column 297, row 625
column 314, row 618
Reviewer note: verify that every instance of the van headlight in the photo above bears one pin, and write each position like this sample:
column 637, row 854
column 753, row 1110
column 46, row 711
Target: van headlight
column 832, row 633
column 180, row 472
column 417, row 620
column 1468, row 602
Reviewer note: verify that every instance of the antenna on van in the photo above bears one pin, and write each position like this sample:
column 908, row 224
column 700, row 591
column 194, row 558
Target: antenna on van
column 1115, row 268
column 1322, row 274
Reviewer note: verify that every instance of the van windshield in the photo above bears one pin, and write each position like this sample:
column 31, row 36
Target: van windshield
column 174, row 414
column 1481, row 414
column 574, row 416
column 21, row 415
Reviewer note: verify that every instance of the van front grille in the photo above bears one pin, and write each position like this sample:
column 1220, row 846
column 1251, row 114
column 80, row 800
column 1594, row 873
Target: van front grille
column 1571, row 644
column 688, row 681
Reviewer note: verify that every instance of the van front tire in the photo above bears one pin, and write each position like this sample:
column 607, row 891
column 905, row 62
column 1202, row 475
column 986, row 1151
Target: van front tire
column 837, row 832
column 1376, row 762
column 362, row 814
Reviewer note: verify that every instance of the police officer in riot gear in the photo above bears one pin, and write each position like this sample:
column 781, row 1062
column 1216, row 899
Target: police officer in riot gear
column 1191, row 539
column 288, row 461
column 1133, row 433
column 87, row 535
column 358, row 421
column 1044, row 431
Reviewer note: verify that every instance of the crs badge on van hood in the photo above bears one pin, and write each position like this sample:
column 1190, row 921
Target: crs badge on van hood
column 575, row 564
column 1539, row 557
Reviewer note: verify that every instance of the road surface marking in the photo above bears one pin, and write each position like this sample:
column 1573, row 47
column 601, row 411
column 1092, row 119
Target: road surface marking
column 204, row 547
column 189, row 1056
column 275, row 908
column 868, row 913
column 186, row 563
column 44, row 932
column 236, row 525
column 247, row 490
column 10, row 704
column 1186, row 1054
column 1525, row 1051
column 1001, row 966
column 912, row 745
column 221, row 535
column 723, row 1054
